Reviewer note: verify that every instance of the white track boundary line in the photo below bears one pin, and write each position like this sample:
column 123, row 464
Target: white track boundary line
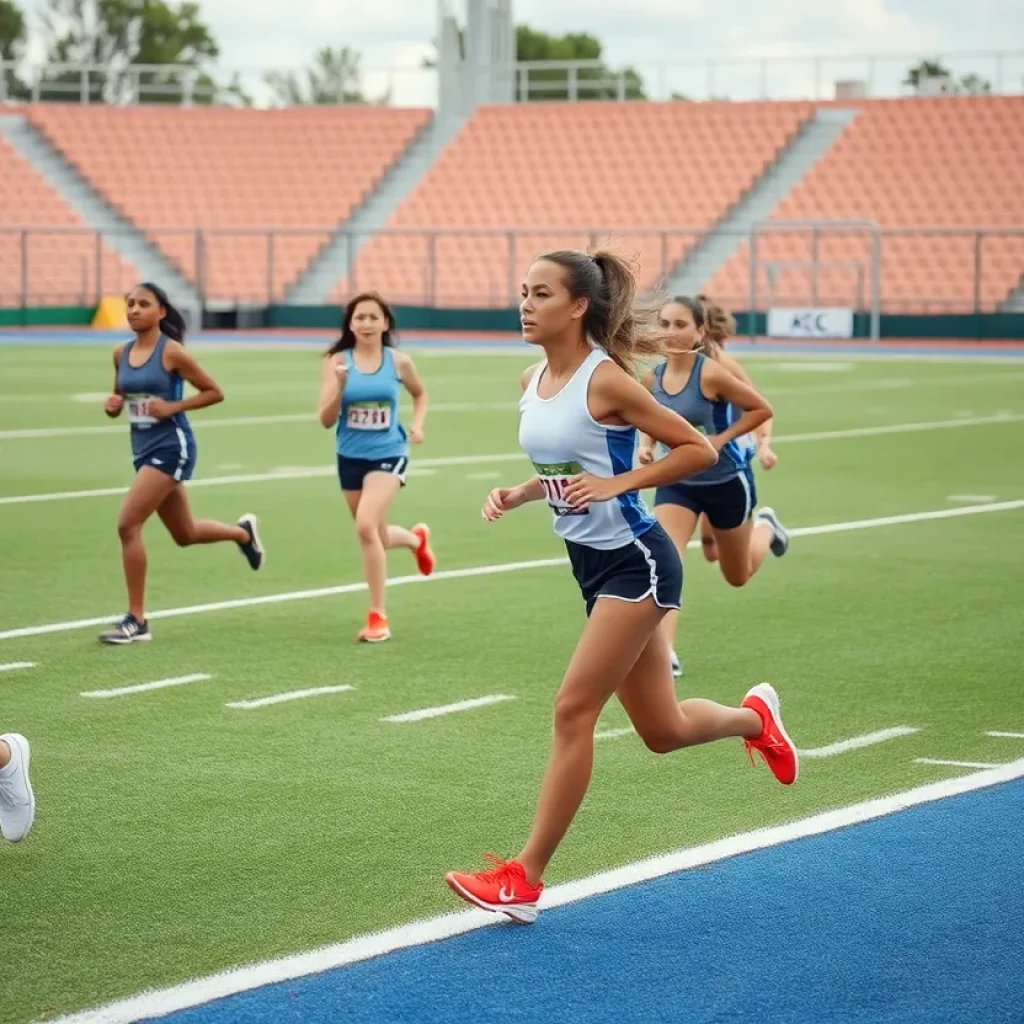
column 282, row 698
column 159, row 1002
column 449, row 709
column 614, row 734
column 857, row 742
column 1006, row 735
column 316, row 472
column 482, row 570
column 958, row 764
column 12, row 666
column 160, row 684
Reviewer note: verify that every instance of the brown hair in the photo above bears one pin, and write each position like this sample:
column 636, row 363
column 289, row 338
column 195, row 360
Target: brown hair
column 612, row 320
column 717, row 323
column 348, row 338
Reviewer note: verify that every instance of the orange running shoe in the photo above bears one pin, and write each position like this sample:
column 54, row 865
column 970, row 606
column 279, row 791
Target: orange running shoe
column 774, row 745
column 502, row 890
column 425, row 560
column 376, row 629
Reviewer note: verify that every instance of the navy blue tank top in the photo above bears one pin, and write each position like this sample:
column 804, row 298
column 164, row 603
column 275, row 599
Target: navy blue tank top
column 707, row 416
column 138, row 384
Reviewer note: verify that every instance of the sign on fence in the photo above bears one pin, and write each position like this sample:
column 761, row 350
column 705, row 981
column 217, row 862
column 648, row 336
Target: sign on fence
column 810, row 323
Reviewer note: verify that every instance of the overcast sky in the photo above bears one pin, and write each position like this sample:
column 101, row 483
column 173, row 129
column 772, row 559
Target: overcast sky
column 646, row 33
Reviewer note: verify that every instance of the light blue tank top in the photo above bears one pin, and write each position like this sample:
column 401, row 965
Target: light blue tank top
column 368, row 426
column 708, row 417
column 138, row 384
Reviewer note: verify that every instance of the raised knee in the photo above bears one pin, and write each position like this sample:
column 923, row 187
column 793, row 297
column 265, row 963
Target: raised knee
column 659, row 744
column 736, row 577
column 183, row 540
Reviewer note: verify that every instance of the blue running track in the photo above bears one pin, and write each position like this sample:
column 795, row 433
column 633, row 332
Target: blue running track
column 913, row 918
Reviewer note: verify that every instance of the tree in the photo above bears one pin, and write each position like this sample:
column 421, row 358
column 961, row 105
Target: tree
column 926, row 69
column 974, row 85
column 12, row 48
column 117, row 34
column 334, row 76
column 971, row 84
column 596, row 83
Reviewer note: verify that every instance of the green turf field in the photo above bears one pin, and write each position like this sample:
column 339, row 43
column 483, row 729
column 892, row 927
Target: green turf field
column 177, row 836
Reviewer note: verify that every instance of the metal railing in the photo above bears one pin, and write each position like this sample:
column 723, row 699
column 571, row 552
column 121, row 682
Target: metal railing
column 700, row 77
column 849, row 264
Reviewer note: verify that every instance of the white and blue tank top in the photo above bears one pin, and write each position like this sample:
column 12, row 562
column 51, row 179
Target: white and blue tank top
column 139, row 384
column 368, row 426
column 562, row 439
column 709, row 417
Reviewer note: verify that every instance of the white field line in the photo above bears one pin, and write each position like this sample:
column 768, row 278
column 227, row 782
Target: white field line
column 160, row 1002
column 313, row 472
column 448, row 709
column 957, row 764
column 1006, row 735
column 12, row 666
column 40, row 433
column 971, row 499
column 613, row 734
column 857, row 742
column 482, row 570
column 281, row 698
column 160, row 684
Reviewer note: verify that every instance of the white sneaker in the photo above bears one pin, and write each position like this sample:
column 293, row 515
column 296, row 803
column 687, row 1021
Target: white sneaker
column 17, row 802
column 677, row 666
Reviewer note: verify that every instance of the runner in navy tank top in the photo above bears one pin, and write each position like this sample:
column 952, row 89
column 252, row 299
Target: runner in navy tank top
column 149, row 376
column 703, row 392
column 579, row 413
column 361, row 378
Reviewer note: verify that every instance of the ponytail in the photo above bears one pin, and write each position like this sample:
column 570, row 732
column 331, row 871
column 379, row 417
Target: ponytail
column 613, row 321
column 719, row 326
column 173, row 322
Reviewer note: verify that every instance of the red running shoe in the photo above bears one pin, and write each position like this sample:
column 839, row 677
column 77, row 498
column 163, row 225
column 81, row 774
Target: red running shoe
column 774, row 745
column 503, row 890
column 425, row 560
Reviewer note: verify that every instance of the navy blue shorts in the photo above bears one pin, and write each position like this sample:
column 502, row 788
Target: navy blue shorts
column 352, row 472
column 177, row 460
column 648, row 567
column 727, row 505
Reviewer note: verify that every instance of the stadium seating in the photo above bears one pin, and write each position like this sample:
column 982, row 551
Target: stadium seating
column 171, row 169
column 63, row 268
column 581, row 167
column 950, row 162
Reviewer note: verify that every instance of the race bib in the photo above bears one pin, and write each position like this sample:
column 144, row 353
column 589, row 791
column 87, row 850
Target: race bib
column 369, row 416
column 554, row 478
column 138, row 410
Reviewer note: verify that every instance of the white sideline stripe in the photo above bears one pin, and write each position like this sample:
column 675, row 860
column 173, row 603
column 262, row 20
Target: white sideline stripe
column 160, row 684
column 856, row 742
column 971, row 499
column 159, row 1002
column 613, row 734
column 482, row 570
column 39, row 433
column 285, row 473
column 449, row 709
column 12, row 665
column 959, row 764
column 312, row 472
column 1006, row 735
column 281, row 698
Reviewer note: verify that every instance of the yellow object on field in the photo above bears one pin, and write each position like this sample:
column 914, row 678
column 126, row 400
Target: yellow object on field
column 110, row 313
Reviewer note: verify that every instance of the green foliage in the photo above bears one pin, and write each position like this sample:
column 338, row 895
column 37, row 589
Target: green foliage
column 334, row 76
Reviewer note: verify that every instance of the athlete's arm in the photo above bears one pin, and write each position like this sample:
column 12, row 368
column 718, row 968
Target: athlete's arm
column 763, row 434
column 718, row 384
column 177, row 360
column 645, row 443
column 411, row 379
column 115, row 403
column 332, row 384
column 616, row 395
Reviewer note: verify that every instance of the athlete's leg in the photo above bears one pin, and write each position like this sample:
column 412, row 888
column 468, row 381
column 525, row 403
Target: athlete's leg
column 17, row 802
column 370, row 511
column 615, row 635
column 742, row 551
column 679, row 523
column 707, row 540
column 147, row 493
column 177, row 517
column 662, row 722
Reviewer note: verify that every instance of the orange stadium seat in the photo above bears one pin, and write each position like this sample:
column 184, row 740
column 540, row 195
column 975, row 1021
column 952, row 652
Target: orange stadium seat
column 61, row 267
column 582, row 167
column 913, row 164
column 171, row 170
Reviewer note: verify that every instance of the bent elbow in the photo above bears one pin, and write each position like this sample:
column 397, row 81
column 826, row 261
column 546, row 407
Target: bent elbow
column 710, row 455
column 327, row 419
